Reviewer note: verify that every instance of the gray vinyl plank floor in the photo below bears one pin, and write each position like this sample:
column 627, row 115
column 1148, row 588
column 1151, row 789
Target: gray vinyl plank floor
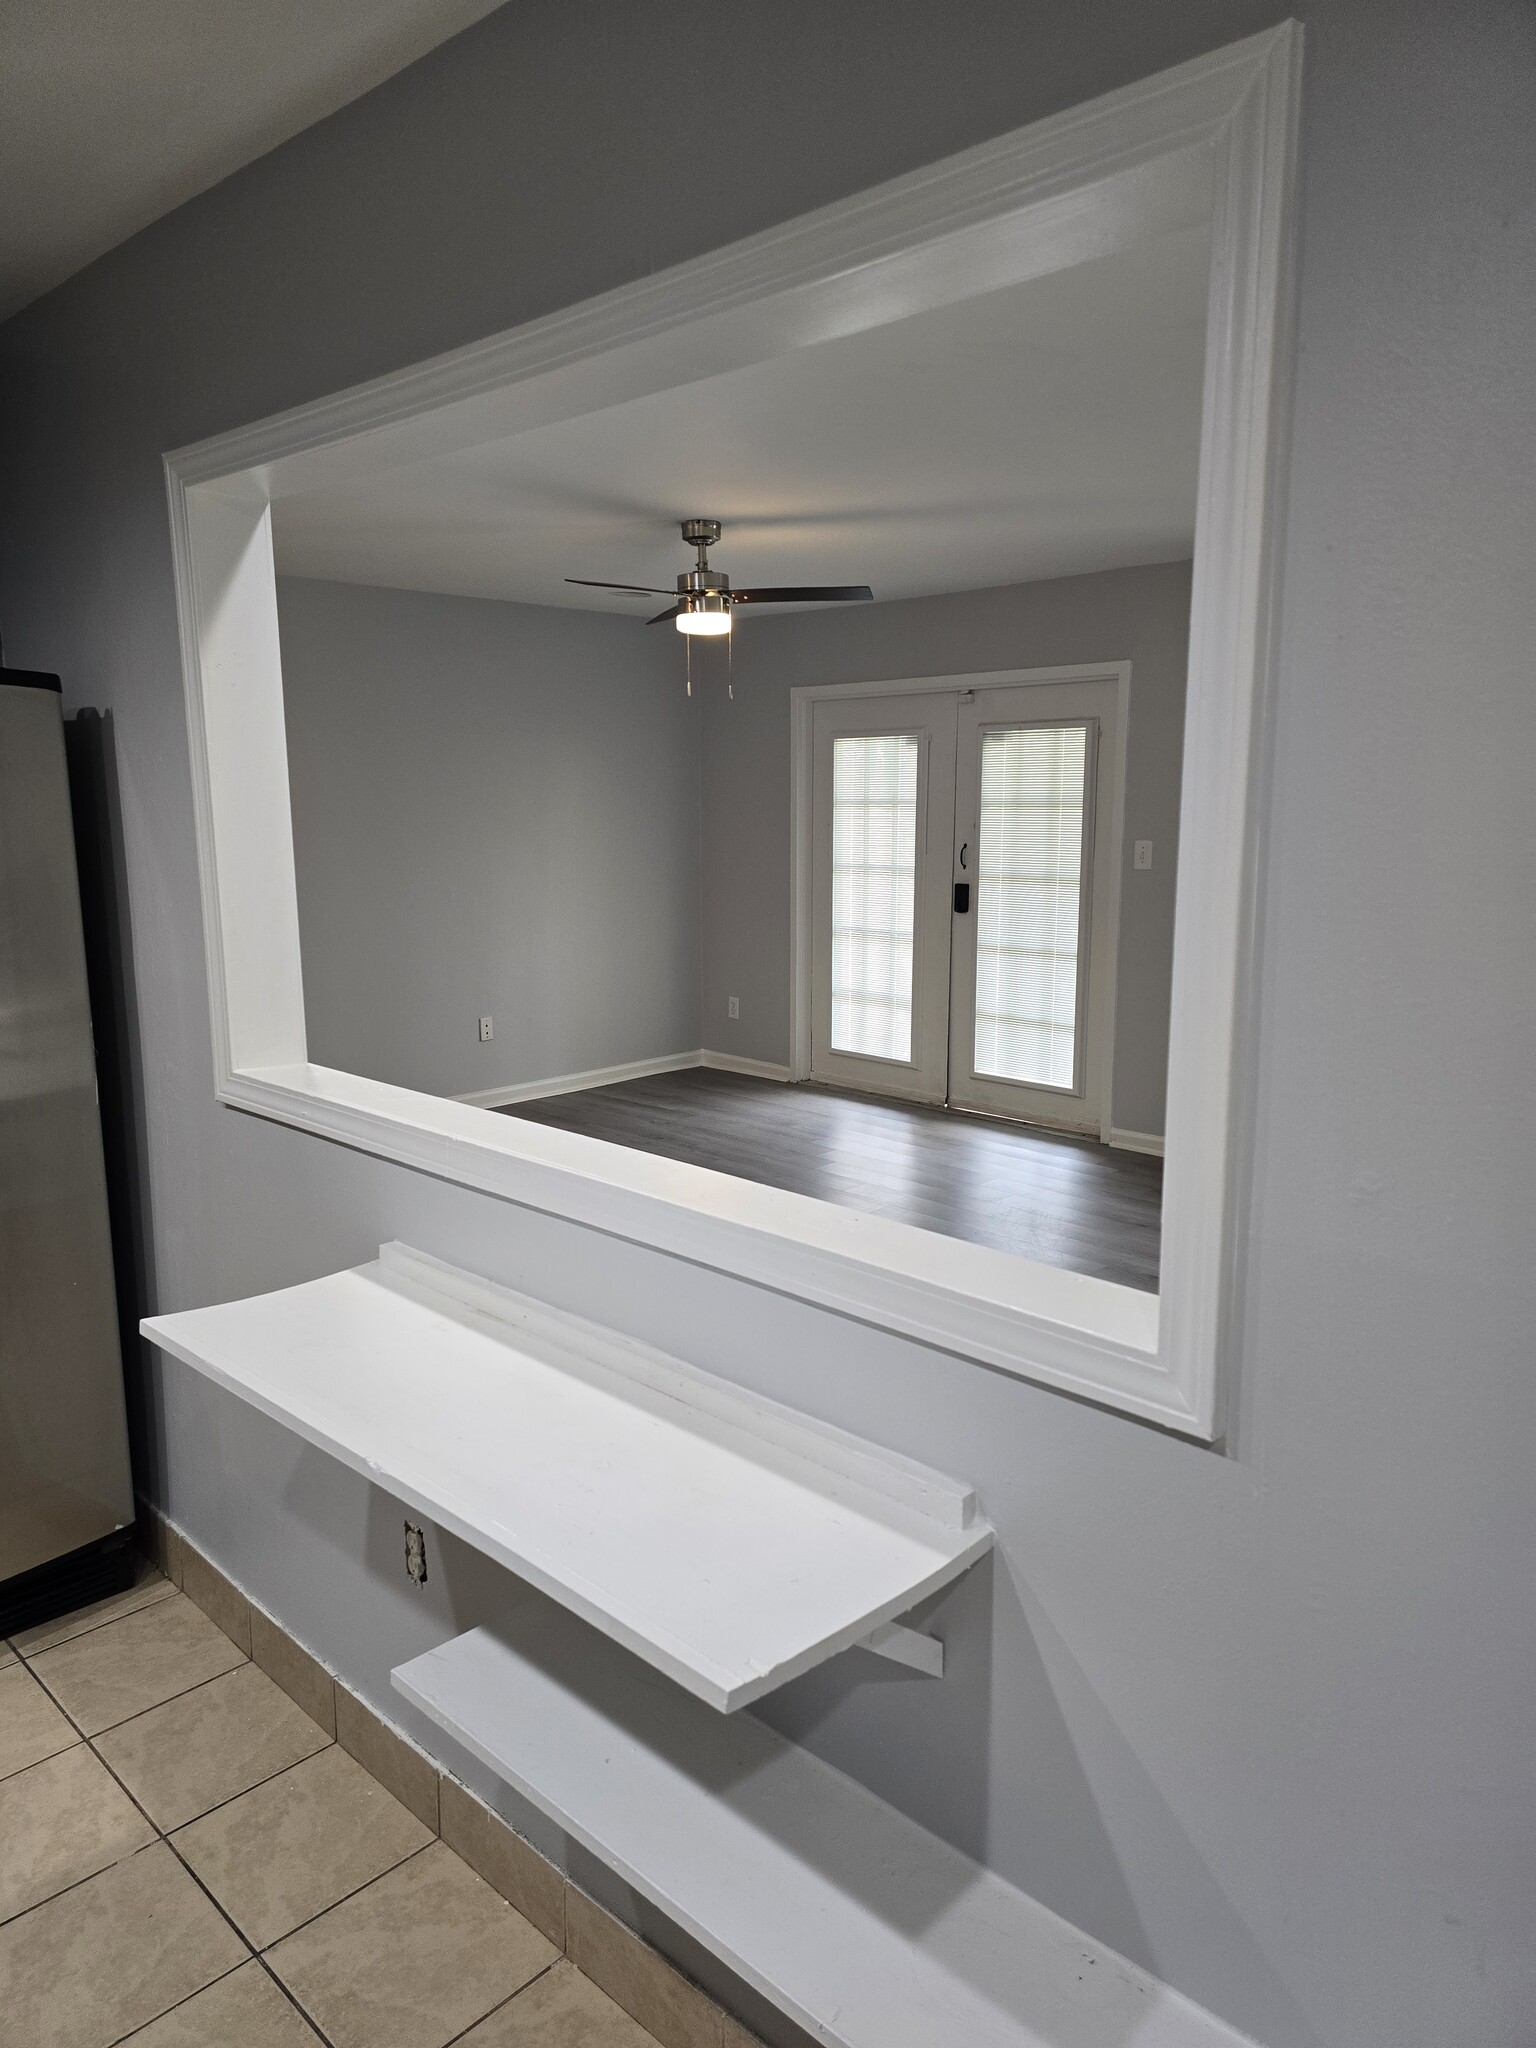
column 1067, row 1201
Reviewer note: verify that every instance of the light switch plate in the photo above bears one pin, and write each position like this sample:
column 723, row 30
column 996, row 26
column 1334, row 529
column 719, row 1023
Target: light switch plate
column 486, row 1031
column 1143, row 855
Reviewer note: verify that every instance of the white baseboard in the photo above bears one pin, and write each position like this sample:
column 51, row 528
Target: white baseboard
column 1137, row 1141
column 631, row 1070
column 571, row 1084
column 732, row 1063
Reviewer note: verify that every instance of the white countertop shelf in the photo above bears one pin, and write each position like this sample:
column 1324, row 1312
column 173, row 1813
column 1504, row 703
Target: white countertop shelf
column 727, row 1540
column 867, row 1930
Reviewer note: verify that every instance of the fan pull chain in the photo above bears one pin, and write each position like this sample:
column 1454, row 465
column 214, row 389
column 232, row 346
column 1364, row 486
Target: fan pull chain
column 688, row 661
column 730, row 666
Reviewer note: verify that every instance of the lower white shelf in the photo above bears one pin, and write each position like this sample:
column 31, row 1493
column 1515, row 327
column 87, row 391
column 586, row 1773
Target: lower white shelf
column 862, row 1927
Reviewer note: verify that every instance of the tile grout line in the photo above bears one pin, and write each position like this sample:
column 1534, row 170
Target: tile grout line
column 252, row 1953
column 85, row 1742
column 74, row 1885
column 165, row 1834
column 388, row 1871
column 47, row 1688
column 91, row 1627
column 186, row 1694
column 219, row 1805
column 22, row 1769
column 502, row 2003
column 302, row 2010
column 155, row 2019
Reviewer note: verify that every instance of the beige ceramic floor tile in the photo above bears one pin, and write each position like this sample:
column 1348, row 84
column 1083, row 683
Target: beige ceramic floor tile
column 146, row 1590
column 206, row 1746
column 7, row 1655
column 131, row 1665
column 277, row 1856
column 116, row 1951
column 31, row 1726
column 245, row 2010
column 413, row 1960
column 60, row 1821
column 561, row 2009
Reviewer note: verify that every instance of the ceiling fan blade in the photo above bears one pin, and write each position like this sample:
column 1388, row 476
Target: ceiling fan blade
column 664, row 615
column 640, row 589
column 795, row 593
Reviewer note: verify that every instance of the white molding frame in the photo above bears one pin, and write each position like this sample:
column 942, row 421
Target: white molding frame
column 802, row 701
column 1080, row 184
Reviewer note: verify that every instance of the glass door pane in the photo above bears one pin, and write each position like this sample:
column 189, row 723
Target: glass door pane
column 1029, row 903
column 874, row 875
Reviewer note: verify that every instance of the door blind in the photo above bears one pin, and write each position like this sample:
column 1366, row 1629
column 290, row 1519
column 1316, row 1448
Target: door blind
column 874, row 877
column 1029, row 903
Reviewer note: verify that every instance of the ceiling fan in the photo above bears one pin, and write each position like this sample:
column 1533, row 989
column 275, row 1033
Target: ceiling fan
column 705, row 599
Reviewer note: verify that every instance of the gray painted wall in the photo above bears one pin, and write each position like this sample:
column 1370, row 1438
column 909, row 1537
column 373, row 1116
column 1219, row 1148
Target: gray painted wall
column 495, row 812
column 1135, row 615
column 1263, row 1719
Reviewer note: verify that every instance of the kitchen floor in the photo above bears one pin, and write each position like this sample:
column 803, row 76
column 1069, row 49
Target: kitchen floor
column 188, row 1860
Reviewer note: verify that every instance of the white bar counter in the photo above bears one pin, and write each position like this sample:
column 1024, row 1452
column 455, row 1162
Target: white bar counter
column 727, row 1540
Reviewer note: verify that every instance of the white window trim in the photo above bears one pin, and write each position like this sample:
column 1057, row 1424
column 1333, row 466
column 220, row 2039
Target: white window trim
column 802, row 700
column 1079, row 184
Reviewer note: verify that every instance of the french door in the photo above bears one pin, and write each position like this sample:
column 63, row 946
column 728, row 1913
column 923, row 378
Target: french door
column 962, row 877
column 883, row 795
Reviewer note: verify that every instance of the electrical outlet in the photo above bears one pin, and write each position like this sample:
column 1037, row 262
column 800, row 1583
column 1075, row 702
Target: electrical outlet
column 486, row 1031
column 415, row 1554
column 733, row 1006
column 1143, row 856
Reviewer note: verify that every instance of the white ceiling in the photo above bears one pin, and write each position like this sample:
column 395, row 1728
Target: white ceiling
column 1045, row 430
column 114, row 111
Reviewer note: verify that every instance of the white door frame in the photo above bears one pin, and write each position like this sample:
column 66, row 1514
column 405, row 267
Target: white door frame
column 1217, row 138
column 803, row 826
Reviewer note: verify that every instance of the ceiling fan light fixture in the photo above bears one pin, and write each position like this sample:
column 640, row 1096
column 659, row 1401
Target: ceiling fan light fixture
column 707, row 614
column 705, row 599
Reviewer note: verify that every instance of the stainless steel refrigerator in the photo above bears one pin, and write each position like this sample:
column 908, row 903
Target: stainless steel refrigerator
column 66, row 1496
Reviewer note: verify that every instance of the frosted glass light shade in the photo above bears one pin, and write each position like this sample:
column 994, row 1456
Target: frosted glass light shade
column 711, row 618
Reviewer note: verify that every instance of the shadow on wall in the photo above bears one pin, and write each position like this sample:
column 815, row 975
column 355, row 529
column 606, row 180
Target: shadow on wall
column 1085, row 1739
column 951, row 1717
column 95, row 800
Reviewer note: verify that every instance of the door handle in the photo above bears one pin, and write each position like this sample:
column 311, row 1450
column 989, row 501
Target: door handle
column 962, row 898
